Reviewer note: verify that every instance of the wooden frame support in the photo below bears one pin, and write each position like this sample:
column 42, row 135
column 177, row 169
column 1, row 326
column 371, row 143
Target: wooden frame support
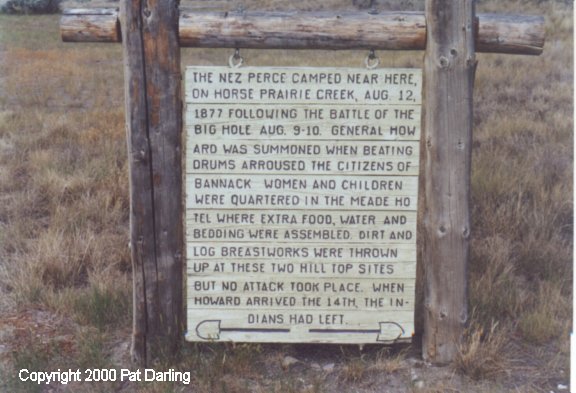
column 154, row 126
column 153, row 32
column 515, row 34
column 449, row 67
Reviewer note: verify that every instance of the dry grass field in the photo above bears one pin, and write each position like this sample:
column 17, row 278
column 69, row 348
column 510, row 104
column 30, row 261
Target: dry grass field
column 65, row 273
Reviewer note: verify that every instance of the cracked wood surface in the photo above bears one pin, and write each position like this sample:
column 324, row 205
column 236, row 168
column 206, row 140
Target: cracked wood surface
column 515, row 34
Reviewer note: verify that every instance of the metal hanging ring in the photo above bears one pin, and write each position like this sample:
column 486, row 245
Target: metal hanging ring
column 235, row 60
column 371, row 60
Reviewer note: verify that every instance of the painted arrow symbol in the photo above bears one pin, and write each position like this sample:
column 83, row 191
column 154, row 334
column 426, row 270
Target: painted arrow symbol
column 210, row 329
column 388, row 331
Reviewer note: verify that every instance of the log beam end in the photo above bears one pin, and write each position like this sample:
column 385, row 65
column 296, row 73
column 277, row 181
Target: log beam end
column 90, row 25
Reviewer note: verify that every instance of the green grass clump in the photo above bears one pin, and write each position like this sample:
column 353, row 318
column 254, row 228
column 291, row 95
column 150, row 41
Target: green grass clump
column 33, row 355
column 102, row 308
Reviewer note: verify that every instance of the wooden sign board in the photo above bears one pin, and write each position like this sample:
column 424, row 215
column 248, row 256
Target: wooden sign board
column 301, row 195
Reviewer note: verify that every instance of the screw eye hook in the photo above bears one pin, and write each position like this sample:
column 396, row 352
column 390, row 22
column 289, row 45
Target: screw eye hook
column 236, row 60
column 371, row 61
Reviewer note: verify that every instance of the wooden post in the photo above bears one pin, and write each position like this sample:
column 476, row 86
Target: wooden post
column 154, row 127
column 449, row 67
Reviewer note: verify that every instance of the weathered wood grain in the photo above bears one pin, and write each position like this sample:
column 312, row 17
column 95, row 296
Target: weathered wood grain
column 111, row 12
column 298, row 30
column 449, row 67
column 90, row 25
column 514, row 34
column 154, row 126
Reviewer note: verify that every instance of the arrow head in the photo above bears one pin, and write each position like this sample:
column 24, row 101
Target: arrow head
column 209, row 329
column 390, row 331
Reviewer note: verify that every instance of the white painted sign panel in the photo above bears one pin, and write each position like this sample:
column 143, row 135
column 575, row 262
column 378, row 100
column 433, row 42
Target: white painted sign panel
column 301, row 194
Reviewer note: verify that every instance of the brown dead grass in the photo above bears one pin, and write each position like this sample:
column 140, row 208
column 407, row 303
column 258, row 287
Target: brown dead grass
column 481, row 354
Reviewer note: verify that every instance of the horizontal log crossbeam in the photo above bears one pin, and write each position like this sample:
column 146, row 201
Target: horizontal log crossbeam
column 513, row 34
